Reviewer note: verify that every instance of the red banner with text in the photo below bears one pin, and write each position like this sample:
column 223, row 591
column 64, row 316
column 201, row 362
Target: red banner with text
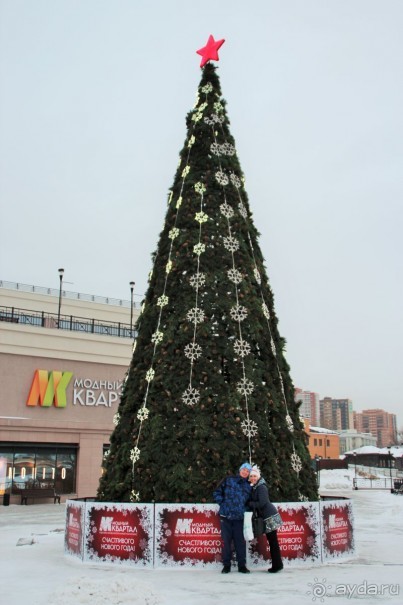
column 337, row 529
column 74, row 530
column 119, row 533
column 187, row 535
column 298, row 537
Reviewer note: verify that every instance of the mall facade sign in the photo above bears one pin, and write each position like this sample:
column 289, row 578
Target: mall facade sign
column 50, row 389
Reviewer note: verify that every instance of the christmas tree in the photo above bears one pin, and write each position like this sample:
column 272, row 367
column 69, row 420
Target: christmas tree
column 208, row 386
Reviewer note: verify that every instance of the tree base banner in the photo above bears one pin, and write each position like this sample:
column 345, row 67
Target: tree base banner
column 187, row 535
column 337, row 523
column 299, row 536
column 74, row 529
column 119, row 533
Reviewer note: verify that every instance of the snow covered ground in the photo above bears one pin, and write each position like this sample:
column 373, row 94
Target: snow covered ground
column 36, row 572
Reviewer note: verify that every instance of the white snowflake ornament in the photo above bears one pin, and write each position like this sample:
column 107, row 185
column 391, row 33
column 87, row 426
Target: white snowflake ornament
column 227, row 149
column 116, row 419
column 221, row 178
column 195, row 315
column 197, row 280
column 257, row 276
column 199, row 248
column 266, row 311
column 134, row 454
column 157, row 337
column 238, row 313
column 231, row 243
column 193, row 351
column 191, row 396
column 249, row 427
column 201, row 217
column 235, row 276
column 134, row 496
column 150, row 375
column 235, row 180
column 162, row 301
column 197, row 116
column 215, row 148
column 242, row 347
column 296, row 462
column 289, row 422
column 200, row 188
column 143, row 414
column 242, row 210
column 226, row 210
column 245, row 386
column 207, row 88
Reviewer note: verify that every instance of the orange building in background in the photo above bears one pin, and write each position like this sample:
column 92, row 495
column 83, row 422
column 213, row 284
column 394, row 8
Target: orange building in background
column 322, row 442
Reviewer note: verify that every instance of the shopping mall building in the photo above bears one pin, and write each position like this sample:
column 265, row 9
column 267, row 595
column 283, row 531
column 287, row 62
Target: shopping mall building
column 63, row 359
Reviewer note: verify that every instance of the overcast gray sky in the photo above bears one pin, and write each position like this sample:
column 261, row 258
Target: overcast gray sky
column 93, row 100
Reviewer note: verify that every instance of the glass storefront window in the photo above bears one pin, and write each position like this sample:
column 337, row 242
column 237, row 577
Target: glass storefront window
column 6, row 472
column 66, row 472
column 40, row 467
column 23, row 470
column 45, row 468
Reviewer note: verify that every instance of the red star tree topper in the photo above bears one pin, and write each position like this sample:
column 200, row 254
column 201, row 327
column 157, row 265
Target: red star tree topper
column 210, row 51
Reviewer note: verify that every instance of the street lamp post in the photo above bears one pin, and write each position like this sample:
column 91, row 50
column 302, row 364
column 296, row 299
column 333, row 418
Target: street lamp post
column 61, row 273
column 317, row 469
column 390, row 468
column 318, row 459
column 355, row 470
column 132, row 284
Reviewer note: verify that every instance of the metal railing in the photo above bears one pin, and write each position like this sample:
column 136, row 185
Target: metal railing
column 8, row 285
column 368, row 483
column 42, row 319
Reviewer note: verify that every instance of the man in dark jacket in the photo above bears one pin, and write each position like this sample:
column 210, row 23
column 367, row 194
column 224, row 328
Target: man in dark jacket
column 232, row 495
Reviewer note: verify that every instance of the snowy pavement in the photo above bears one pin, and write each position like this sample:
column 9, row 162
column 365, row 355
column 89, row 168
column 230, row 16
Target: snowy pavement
column 38, row 573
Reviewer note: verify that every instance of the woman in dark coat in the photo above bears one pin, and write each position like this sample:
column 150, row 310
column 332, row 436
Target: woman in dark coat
column 260, row 504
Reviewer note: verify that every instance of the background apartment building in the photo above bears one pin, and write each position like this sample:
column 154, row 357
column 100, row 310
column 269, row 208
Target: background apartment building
column 336, row 414
column 379, row 423
column 310, row 405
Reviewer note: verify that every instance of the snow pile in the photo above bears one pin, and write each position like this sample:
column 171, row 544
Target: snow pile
column 336, row 479
column 120, row 590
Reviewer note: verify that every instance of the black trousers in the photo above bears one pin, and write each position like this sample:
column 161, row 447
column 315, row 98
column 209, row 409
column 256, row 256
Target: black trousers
column 274, row 549
column 232, row 531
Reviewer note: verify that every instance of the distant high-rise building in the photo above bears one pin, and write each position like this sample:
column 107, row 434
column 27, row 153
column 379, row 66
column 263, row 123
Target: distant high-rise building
column 379, row 423
column 336, row 414
column 309, row 406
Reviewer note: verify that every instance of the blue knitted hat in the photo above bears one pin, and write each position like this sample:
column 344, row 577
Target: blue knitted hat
column 246, row 465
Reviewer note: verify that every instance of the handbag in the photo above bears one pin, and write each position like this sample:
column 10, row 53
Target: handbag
column 273, row 522
column 259, row 526
column 247, row 526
